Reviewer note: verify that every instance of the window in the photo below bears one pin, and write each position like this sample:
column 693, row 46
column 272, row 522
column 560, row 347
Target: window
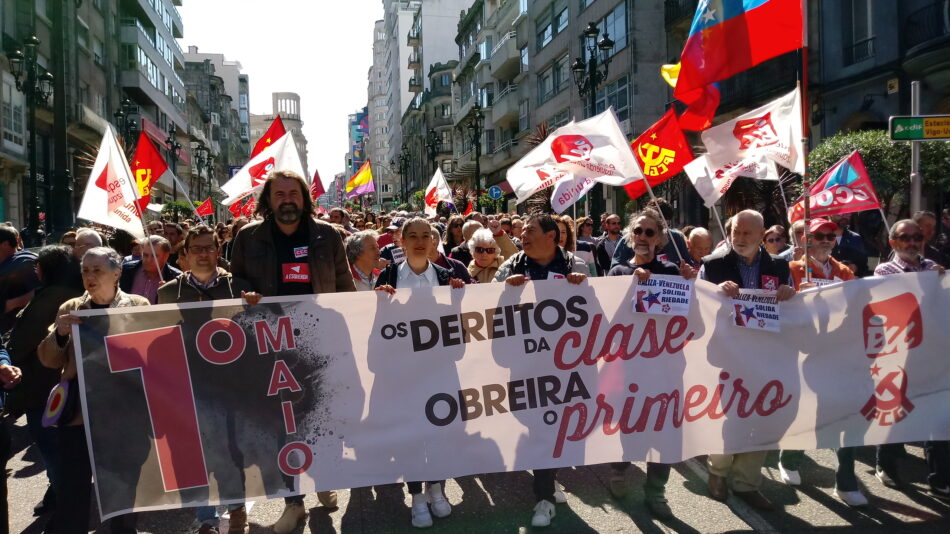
column 82, row 33
column 446, row 140
column 12, row 108
column 446, row 166
column 615, row 94
column 561, row 20
column 545, row 34
column 522, row 6
column 858, row 35
column 486, row 96
column 445, row 80
column 560, row 118
column 550, row 24
column 524, row 59
column 523, row 116
column 545, row 85
column 614, row 24
column 387, row 188
column 562, row 73
column 98, row 51
column 489, row 141
column 445, row 111
column 585, row 3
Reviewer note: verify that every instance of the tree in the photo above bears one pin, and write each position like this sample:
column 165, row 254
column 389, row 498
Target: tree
column 417, row 200
column 177, row 209
column 888, row 165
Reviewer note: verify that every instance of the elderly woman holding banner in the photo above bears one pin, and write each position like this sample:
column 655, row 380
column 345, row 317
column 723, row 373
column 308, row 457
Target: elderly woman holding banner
column 101, row 268
column 646, row 236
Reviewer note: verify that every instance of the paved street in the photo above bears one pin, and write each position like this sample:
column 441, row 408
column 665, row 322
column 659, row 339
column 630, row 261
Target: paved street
column 501, row 503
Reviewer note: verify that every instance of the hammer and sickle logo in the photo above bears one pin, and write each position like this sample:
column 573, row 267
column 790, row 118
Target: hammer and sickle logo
column 890, row 395
column 656, row 160
column 143, row 177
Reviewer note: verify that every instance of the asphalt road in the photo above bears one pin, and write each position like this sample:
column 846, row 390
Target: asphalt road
column 502, row 503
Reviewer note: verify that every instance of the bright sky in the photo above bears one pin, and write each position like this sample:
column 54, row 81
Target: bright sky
column 317, row 49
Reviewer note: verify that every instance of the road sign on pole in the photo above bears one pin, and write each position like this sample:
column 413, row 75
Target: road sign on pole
column 920, row 128
column 495, row 192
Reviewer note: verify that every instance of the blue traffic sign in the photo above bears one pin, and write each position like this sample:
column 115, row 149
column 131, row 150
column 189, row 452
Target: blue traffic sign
column 495, row 192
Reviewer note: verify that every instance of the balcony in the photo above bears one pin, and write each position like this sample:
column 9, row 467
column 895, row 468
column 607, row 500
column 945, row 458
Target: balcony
column 415, row 85
column 505, row 107
column 756, row 85
column 505, row 57
column 415, row 63
column 678, row 11
column 505, row 154
column 926, row 39
column 412, row 39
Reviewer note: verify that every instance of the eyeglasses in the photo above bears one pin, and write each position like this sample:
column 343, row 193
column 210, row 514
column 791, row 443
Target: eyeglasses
column 649, row 232
column 775, row 240
column 907, row 238
column 820, row 236
column 201, row 250
column 484, row 250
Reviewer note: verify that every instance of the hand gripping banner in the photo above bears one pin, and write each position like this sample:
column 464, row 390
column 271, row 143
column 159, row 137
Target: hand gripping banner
column 219, row 402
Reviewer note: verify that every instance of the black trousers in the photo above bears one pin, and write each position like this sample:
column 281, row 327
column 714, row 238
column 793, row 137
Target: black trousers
column 74, row 491
column 415, row 488
column 544, row 484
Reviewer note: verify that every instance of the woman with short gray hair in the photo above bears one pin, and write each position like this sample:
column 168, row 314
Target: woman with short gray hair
column 486, row 256
column 101, row 268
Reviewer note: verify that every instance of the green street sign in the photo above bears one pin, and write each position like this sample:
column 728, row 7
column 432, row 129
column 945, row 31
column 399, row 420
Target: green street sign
column 920, row 128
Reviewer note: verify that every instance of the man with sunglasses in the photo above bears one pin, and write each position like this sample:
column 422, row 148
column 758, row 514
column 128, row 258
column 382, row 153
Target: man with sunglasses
column 907, row 240
column 607, row 244
column 849, row 246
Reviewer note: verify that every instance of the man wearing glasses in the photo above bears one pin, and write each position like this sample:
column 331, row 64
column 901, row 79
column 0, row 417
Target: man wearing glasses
column 608, row 244
column 907, row 240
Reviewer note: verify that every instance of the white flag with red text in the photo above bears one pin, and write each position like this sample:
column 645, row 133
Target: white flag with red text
column 111, row 195
column 282, row 155
column 593, row 148
column 437, row 191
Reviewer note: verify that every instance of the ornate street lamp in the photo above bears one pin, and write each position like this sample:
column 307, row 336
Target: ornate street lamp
column 590, row 73
column 433, row 147
column 173, row 147
column 36, row 83
column 476, row 126
column 127, row 123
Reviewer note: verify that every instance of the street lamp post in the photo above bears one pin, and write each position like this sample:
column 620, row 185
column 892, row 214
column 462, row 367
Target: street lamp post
column 404, row 162
column 589, row 74
column 173, row 147
column 201, row 153
column 127, row 124
column 476, row 126
column 37, row 87
column 433, row 147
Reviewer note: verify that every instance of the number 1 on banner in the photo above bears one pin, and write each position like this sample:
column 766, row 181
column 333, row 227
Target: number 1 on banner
column 160, row 356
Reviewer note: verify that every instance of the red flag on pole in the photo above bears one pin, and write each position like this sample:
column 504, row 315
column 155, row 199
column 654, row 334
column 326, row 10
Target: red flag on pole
column 235, row 209
column 248, row 209
column 206, row 208
column 273, row 133
column 469, row 209
column 661, row 151
column 148, row 166
column 316, row 186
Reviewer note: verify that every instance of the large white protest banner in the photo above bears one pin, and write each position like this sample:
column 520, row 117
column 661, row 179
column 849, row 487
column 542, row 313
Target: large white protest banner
column 218, row 402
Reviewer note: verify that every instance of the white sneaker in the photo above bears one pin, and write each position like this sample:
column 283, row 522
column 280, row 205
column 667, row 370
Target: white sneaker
column 559, row 496
column 421, row 518
column 543, row 512
column 292, row 516
column 439, row 504
column 790, row 477
column 852, row 498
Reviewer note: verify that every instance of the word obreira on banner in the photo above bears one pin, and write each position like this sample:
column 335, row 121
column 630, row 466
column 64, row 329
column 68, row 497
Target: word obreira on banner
column 218, row 402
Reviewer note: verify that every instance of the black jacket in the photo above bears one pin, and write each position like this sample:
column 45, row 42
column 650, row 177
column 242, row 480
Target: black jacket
column 390, row 275
column 182, row 290
column 723, row 266
column 131, row 268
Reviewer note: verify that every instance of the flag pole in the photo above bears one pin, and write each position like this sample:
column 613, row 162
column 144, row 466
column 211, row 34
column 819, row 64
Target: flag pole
column 666, row 222
column 806, row 178
column 725, row 236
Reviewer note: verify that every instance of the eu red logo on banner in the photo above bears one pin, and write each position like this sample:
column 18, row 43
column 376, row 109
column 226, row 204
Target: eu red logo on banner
column 572, row 148
column 892, row 325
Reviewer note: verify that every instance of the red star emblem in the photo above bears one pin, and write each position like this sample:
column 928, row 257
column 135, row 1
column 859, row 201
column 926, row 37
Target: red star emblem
column 875, row 370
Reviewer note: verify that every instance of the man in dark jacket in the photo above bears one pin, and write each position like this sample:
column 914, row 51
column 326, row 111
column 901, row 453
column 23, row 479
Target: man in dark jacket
column 288, row 253
column 746, row 265
column 141, row 277
column 17, row 279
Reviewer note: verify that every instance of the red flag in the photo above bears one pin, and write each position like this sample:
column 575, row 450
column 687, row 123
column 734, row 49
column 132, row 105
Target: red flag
column 701, row 108
column 844, row 188
column 235, row 208
column 469, row 209
column 148, row 166
column 661, row 151
column 316, row 186
column 205, row 209
column 248, row 209
column 273, row 133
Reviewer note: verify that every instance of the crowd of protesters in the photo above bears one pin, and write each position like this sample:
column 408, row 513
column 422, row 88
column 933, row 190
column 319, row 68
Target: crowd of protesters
column 288, row 249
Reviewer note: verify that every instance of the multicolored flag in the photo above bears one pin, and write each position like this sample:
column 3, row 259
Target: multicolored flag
column 206, row 208
column 662, row 152
column 362, row 182
column 730, row 36
column 437, row 191
column 701, row 104
column 274, row 132
column 844, row 188
column 111, row 197
column 148, row 166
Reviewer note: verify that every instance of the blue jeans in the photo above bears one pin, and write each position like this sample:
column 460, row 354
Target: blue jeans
column 208, row 515
column 46, row 441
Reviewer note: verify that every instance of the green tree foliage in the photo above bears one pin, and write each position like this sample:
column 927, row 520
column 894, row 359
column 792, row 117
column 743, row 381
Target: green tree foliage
column 179, row 209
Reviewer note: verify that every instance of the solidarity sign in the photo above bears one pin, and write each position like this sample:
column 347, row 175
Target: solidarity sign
column 219, row 402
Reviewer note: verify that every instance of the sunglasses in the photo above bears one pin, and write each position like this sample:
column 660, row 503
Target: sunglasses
column 775, row 240
column 649, row 232
column 820, row 236
column 907, row 238
column 484, row 250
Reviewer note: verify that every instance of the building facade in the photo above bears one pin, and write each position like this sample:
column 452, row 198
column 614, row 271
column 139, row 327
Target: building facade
column 377, row 104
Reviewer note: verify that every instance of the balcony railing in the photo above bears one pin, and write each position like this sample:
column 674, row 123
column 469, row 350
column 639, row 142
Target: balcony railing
column 508, row 89
column 502, row 41
column 859, row 51
column 927, row 24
